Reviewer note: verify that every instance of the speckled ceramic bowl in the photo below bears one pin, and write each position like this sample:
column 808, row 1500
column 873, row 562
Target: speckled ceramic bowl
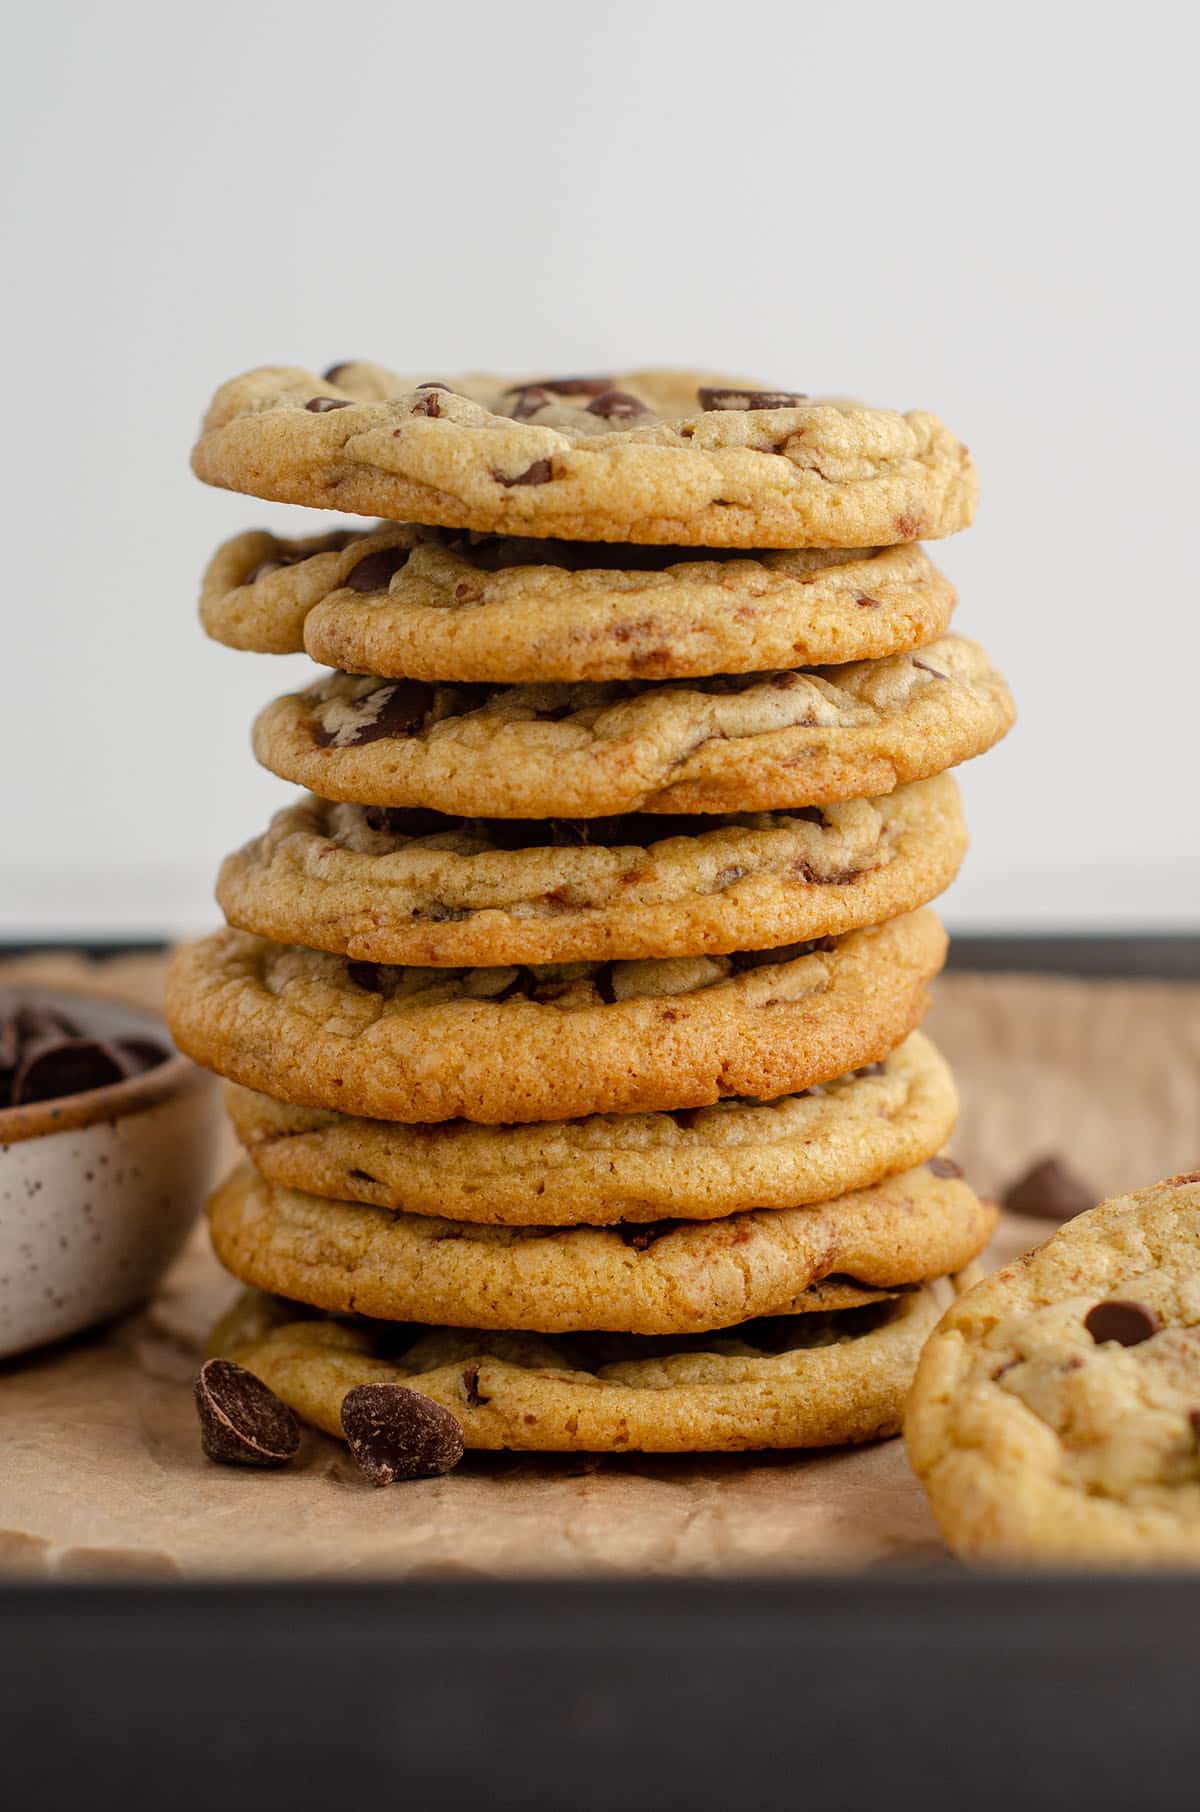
column 98, row 1191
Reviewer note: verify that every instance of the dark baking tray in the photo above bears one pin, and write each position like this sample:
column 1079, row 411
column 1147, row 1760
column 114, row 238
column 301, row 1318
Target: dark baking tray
column 925, row 1688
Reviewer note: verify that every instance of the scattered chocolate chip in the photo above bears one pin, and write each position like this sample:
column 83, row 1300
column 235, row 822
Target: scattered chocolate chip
column 396, row 709
column 397, row 1434
column 784, row 953
column 471, row 1390
column 943, row 1167
column 374, row 571
column 436, row 384
column 1049, row 1191
column 530, row 401
column 640, row 1236
column 721, row 398
column 617, row 405
column 866, row 603
column 366, row 975
column 1128, row 1323
column 242, row 1423
column 538, row 473
column 321, row 405
column 567, row 386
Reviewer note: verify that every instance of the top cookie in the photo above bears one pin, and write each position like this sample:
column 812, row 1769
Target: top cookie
column 1056, row 1411
column 420, row 603
column 652, row 456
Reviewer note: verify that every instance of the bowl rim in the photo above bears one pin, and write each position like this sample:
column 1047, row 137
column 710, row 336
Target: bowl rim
column 115, row 1100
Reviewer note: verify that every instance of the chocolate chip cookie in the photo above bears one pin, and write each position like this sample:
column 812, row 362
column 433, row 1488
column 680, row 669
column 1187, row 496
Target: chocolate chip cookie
column 673, row 458
column 662, row 1277
column 548, row 1042
column 754, row 742
column 1056, row 1412
column 697, row 1163
column 818, row 1380
column 424, row 603
column 406, row 885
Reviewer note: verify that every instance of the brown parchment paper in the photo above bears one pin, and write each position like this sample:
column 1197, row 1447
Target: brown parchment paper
column 101, row 1474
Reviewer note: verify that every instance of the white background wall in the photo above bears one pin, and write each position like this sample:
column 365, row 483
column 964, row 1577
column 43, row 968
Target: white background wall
column 986, row 211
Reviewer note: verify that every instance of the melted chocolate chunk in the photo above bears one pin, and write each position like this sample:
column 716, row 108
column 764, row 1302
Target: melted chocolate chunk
column 784, row 953
column 720, row 397
column 617, row 405
column 1049, row 1191
column 566, row 386
column 408, row 820
column 640, row 1236
column 396, row 1434
column 1126, row 1322
column 538, row 473
column 374, row 571
column 321, row 405
column 471, row 1390
column 400, row 707
column 242, row 1423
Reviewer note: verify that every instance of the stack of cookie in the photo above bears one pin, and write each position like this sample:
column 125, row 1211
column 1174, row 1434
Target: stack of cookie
column 570, row 1014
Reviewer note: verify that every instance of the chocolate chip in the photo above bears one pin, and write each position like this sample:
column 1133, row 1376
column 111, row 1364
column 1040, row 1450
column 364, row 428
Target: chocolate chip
column 397, row 709
column 242, row 1423
column 471, row 1390
column 334, row 374
column 374, row 571
column 397, row 1434
column 784, row 953
column 538, row 473
column 944, row 1167
column 1049, row 1191
column 321, row 405
column 617, row 405
column 407, row 820
column 54, row 1066
column 368, row 976
column 639, row 1237
column 436, row 384
column 530, row 401
column 566, row 386
column 1128, row 1323
column 428, row 405
column 721, row 398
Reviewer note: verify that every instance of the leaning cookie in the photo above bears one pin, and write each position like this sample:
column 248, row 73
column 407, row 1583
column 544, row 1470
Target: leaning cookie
column 665, row 1277
column 552, row 1042
column 820, row 1380
column 698, row 1163
column 423, row 603
column 395, row 885
column 1056, row 1412
column 758, row 742
column 672, row 458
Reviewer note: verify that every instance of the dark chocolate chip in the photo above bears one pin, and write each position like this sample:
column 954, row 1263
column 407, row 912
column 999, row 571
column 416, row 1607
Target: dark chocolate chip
column 321, row 405
column 400, row 708
column 397, row 1434
column 944, row 1167
column 471, row 1390
column 784, row 953
column 722, row 398
column 538, row 473
column 436, row 384
column 374, row 571
column 368, row 976
column 408, row 820
column 1049, row 1191
column 530, row 401
column 617, row 405
column 55, row 1066
column 1128, row 1323
column 242, row 1423
column 603, row 983
column 566, row 386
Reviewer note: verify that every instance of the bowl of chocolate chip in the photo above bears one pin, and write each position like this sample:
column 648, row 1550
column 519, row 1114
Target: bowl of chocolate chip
column 107, row 1150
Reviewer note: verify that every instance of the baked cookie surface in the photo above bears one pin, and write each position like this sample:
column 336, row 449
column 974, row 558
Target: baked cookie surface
column 548, row 1042
column 754, row 742
column 694, row 1164
column 403, row 885
column 664, row 1277
column 422, row 603
column 1056, row 1411
column 816, row 1380
column 667, row 457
